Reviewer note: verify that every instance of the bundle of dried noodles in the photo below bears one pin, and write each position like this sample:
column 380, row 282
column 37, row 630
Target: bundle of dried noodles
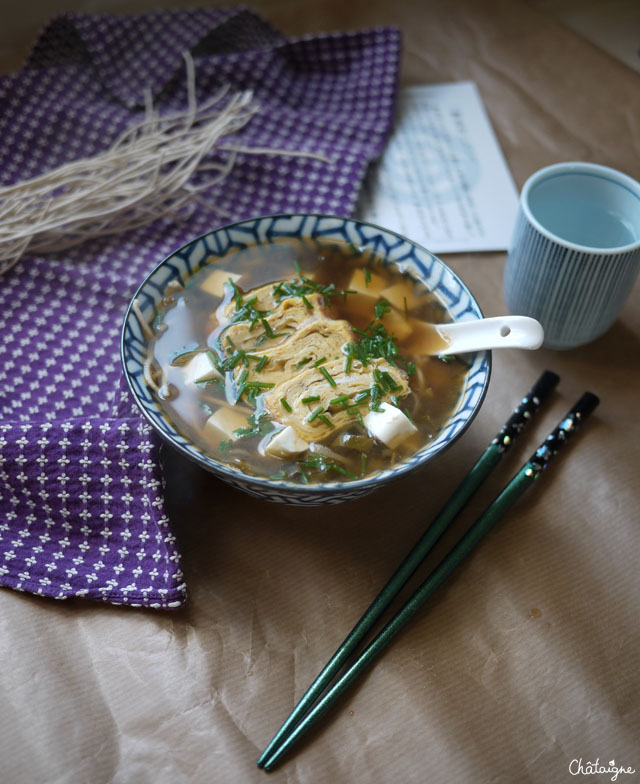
column 143, row 176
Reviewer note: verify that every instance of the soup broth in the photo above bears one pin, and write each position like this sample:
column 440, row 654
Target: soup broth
column 307, row 342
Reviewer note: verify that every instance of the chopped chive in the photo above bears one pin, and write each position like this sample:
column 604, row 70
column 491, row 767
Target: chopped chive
column 347, row 364
column 367, row 276
column 405, row 411
column 361, row 420
column 303, row 362
column 267, row 328
column 307, row 304
column 225, row 446
column 411, row 368
column 362, row 395
column 260, row 366
column 337, row 400
column 328, row 376
column 243, row 377
column 381, row 308
column 245, row 432
column 319, row 362
column 326, row 420
column 311, row 399
column 342, row 470
column 406, row 309
column 285, row 405
column 259, row 385
column 446, row 357
column 305, row 478
column 315, row 413
column 389, row 383
column 279, row 475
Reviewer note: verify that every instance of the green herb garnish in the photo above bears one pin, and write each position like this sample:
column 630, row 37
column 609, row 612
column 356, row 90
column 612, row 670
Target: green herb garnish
column 314, row 414
column 324, row 464
column 259, row 425
column 285, row 405
column 328, row 376
column 381, row 308
column 225, row 446
column 302, row 287
column 311, row 399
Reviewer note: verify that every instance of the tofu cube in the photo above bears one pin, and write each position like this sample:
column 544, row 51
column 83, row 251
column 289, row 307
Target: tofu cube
column 223, row 422
column 285, row 443
column 390, row 425
column 371, row 288
column 396, row 324
column 214, row 283
column 201, row 368
column 398, row 293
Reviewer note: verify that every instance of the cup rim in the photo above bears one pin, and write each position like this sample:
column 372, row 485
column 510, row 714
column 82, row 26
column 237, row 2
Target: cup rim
column 581, row 167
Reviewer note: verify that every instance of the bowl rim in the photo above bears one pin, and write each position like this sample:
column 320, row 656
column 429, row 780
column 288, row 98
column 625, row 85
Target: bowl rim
column 317, row 488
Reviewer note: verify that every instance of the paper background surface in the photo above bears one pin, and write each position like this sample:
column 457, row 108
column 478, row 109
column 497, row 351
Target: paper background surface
column 479, row 688
column 442, row 179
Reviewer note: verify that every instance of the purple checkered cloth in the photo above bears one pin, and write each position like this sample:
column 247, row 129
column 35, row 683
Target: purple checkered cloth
column 81, row 487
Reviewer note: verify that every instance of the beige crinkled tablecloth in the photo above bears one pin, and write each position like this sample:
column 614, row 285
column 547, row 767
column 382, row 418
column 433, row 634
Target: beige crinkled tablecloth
column 525, row 661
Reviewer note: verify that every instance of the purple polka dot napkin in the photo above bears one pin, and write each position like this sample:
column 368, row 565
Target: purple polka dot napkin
column 81, row 488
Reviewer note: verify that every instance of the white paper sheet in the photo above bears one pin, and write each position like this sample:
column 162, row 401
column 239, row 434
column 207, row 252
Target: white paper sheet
column 443, row 181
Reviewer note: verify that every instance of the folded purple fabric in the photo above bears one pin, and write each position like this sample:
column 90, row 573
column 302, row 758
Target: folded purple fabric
column 81, row 494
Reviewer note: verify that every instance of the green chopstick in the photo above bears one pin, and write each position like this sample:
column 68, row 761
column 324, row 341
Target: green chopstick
column 487, row 462
column 516, row 487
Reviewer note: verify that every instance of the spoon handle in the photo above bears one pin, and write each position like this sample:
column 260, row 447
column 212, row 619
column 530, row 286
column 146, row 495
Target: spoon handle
column 499, row 332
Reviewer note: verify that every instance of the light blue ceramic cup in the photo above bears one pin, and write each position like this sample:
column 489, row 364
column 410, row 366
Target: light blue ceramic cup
column 575, row 252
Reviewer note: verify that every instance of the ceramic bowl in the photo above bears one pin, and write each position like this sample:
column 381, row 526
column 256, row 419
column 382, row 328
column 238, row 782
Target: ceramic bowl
column 395, row 250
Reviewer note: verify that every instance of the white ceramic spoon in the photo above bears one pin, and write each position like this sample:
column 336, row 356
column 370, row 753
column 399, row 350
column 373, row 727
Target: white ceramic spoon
column 462, row 337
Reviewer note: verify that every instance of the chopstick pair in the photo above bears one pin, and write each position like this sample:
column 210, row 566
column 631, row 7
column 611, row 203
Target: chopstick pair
column 311, row 707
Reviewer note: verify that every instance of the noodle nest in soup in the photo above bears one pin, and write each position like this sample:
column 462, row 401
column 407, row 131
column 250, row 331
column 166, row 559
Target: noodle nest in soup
column 302, row 361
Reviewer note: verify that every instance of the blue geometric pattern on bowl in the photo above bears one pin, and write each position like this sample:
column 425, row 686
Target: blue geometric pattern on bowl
column 394, row 249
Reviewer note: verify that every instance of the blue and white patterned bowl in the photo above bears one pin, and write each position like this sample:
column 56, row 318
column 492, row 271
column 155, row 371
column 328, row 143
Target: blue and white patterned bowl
column 394, row 249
